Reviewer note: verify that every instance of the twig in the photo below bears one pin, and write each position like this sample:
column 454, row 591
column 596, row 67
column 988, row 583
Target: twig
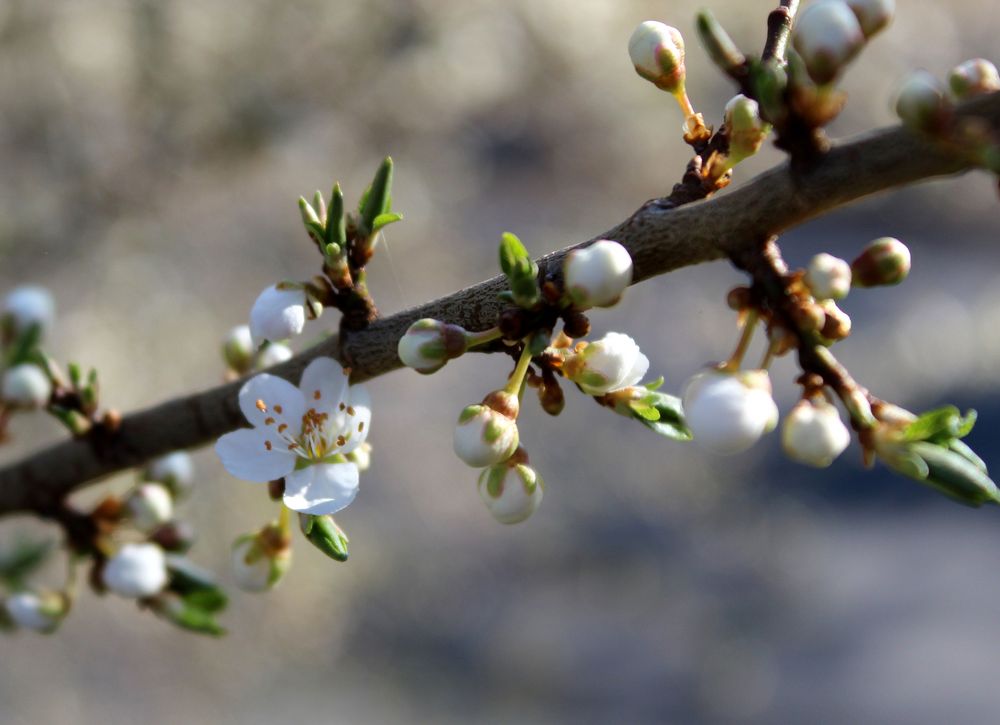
column 660, row 237
column 779, row 25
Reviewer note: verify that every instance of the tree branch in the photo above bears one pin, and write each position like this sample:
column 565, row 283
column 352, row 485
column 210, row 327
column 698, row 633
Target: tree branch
column 661, row 237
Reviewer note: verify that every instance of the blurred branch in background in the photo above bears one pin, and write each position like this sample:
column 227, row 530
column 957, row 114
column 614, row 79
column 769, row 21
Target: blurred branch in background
column 660, row 237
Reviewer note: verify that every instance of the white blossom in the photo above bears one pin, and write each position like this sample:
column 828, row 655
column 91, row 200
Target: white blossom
column 29, row 305
column 728, row 412
column 596, row 276
column 828, row 277
column 511, row 492
column 25, row 386
column 487, row 433
column 150, row 506
column 827, row 35
column 278, row 314
column 612, row 363
column 814, row 434
column 37, row 612
column 302, row 434
column 137, row 570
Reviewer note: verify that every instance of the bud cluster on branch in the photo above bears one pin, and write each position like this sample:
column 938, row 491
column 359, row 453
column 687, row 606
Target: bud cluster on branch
column 308, row 442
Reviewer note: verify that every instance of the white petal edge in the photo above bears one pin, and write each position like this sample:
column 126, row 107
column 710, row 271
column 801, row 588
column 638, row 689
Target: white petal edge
column 244, row 454
column 361, row 402
column 327, row 377
column 324, row 488
column 276, row 393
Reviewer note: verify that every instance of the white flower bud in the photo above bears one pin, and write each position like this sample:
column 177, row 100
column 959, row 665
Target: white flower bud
column 26, row 306
column 428, row 344
column 728, row 412
column 657, row 52
column 974, row 77
column 274, row 353
column 278, row 314
column 596, row 276
column 258, row 567
column 150, row 506
column 612, row 363
column 237, row 348
column 828, row 277
column 25, row 386
column 174, row 470
column 814, row 434
column 136, row 571
column 873, row 15
column 886, row 261
column 511, row 492
column 922, row 103
column 827, row 35
column 487, row 434
column 361, row 457
column 37, row 612
column 747, row 130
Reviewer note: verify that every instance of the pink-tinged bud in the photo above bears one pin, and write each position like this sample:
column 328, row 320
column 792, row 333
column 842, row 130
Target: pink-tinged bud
column 827, row 35
column 828, row 277
column 428, row 344
column 814, row 434
column 511, row 490
column 487, row 433
column 923, row 104
column 873, row 15
column 974, row 77
column 886, row 261
column 596, row 276
column 657, row 52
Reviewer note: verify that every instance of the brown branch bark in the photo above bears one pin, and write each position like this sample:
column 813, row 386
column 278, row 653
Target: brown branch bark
column 661, row 238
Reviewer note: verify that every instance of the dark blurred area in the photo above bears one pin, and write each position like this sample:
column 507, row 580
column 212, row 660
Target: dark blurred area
column 153, row 152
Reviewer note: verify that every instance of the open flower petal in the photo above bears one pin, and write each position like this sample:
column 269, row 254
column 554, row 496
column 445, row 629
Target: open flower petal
column 269, row 401
column 245, row 454
column 324, row 384
column 358, row 418
column 323, row 488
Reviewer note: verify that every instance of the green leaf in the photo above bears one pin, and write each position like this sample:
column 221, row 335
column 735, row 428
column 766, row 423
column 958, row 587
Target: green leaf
column 336, row 221
column 512, row 251
column 654, row 384
column 384, row 220
column 966, row 452
column 670, row 416
column 940, row 425
column 323, row 533
column 208, row 600
column 192, row 618
column 379, row 196
column 22, row 560
column 24, row 346
column 539, row 341
column 644, row 411
column 954, row 475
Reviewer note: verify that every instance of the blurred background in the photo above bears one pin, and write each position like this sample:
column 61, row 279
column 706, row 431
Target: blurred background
column 152, row 154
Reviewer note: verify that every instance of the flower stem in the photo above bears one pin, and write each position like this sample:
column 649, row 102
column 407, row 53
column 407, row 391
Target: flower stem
column 285, row 521
column 765, row 363
column 481, row 338
column 517, row 378
column 733, row 364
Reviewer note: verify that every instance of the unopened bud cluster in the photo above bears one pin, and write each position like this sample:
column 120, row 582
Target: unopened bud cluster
column 927, row 104
column 829, row 34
